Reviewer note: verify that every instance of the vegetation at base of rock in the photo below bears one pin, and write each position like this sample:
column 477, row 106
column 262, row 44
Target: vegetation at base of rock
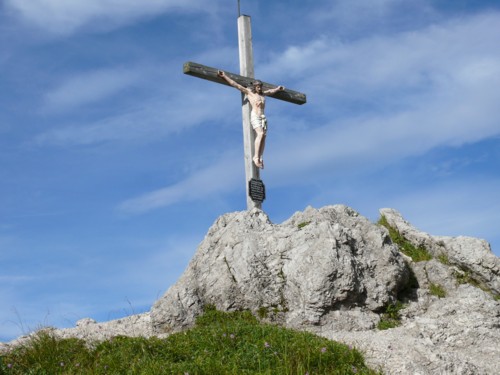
column 220, row 343
column 443, row 258
column 263, row 312
column 437, row 290
column 391, row 317
column 417, row 254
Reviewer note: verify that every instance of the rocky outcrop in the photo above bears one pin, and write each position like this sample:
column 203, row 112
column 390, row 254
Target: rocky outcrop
column 332, row 272
column 471, row 257
column 317, row 262
column 458, row 334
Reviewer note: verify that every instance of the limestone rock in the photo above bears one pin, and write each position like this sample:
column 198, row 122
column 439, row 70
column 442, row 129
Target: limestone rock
column 88, row 329
column 316, row 262
column 458, row 334
column 471, row 256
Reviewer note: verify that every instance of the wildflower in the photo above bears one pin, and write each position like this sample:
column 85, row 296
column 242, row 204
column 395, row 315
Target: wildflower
column 266, row 344
column 323, row 350
column 231, row 336
column 354, row 369
column 224, row 335
column 9, row 365
column 61, row 364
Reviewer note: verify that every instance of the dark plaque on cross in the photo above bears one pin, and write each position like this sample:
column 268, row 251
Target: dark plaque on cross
column 255, row 187
column 256, row 190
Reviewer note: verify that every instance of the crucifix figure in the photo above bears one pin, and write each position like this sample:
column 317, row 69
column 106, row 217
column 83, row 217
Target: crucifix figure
column 252, row 107
column 258, row 120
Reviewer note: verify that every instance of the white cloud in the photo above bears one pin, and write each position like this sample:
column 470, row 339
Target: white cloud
column 14, row 279
column 90, row 87
column 218, row 178
column 171, row 111
column 360, row 15
column 435, row 86
column 421, row 59
column 64, row 17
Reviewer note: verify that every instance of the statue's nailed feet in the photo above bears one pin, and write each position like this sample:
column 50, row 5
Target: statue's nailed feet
column 258, row 162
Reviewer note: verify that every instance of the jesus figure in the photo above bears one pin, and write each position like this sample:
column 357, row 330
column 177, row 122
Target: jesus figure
column 256, row 97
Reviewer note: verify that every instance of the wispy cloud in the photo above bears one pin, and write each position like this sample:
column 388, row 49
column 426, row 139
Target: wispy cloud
column 359, row 15
column 89, row 87
column 437, row 87
column 424, row 59
column 171, row 111
column 64, row 17
column 220, row 177
column 15, row 279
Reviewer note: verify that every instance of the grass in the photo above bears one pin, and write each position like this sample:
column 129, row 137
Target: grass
column 443, row 258
column 437, row 290
column 391, row 317
column 220, row 343
column 417, row 254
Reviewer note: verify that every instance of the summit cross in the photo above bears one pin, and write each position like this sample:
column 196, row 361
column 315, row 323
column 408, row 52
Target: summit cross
column 254, row 187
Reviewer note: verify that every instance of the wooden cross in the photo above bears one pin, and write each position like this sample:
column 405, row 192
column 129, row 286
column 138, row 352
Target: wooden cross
column 255, row 187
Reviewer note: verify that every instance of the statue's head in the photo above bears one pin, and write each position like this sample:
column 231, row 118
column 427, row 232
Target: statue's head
column 257, row 86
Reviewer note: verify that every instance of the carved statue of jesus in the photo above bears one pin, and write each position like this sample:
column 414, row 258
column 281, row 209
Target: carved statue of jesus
column 256, row 97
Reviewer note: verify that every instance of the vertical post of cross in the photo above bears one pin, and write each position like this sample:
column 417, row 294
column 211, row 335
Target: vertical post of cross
column 247, row 70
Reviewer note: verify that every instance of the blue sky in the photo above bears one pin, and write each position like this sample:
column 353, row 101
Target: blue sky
column 114, row 164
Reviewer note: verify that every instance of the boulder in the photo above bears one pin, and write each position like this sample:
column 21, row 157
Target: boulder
column 317, row 262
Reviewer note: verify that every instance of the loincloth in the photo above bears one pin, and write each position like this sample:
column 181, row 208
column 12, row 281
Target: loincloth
column 258, row 121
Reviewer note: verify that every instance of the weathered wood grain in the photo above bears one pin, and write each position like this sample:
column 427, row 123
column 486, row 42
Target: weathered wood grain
column 210, row 74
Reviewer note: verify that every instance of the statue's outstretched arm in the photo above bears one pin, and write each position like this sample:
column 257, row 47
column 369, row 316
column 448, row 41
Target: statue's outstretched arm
column 274, row 91
column 233, row 83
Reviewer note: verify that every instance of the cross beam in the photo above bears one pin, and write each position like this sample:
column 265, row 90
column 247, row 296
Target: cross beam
column 210, row 74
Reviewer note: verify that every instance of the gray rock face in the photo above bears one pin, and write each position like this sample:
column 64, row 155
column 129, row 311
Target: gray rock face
column 317, row 262
column 332, row 272
column 458, row 334
column 472, row 256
